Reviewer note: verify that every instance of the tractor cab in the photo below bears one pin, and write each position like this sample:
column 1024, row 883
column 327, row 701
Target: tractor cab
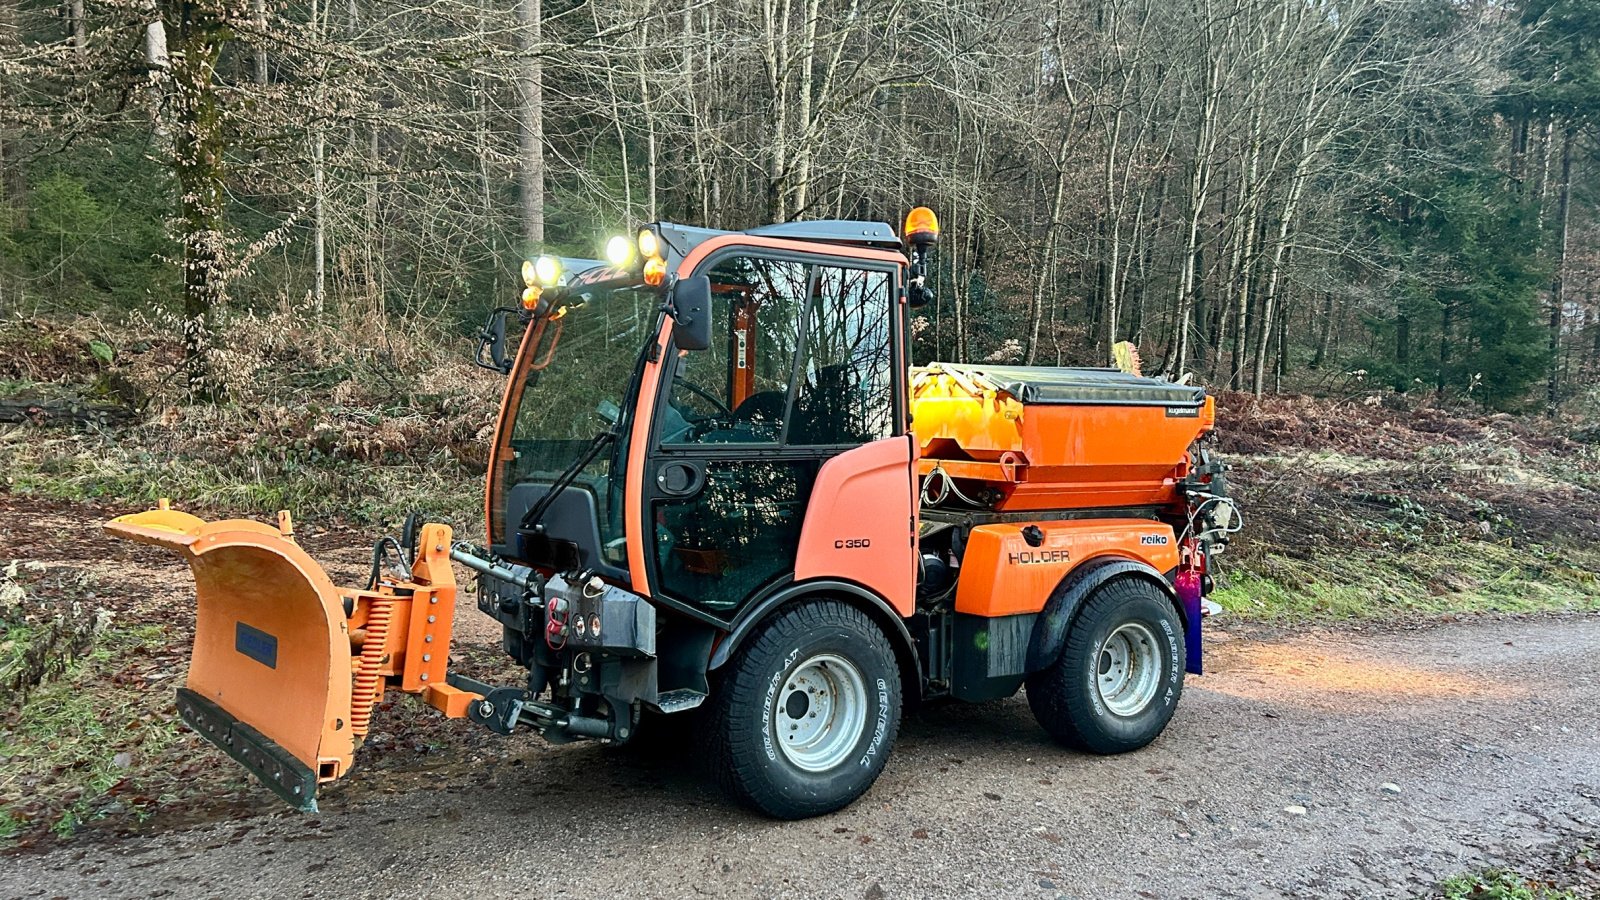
column 713, row 425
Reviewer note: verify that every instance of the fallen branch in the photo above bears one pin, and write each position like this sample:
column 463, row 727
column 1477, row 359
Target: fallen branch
column 63, row 412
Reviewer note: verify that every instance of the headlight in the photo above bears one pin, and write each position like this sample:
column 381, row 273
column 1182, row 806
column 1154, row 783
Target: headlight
column 649, row 244
column 619, row 251
column 530, row 275
column 548, row 269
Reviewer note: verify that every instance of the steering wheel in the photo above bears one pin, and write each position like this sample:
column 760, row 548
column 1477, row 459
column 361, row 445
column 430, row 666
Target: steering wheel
column 723, row 412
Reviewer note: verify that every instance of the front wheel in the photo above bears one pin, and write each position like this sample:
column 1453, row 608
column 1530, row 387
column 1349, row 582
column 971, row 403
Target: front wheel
column 1120, row 675
column 808, row 712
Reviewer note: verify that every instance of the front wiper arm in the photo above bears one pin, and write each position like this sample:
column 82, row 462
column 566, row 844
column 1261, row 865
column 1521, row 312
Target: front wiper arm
column 536, row 512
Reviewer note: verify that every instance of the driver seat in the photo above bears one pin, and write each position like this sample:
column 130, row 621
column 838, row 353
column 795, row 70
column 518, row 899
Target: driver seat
column 763, row 408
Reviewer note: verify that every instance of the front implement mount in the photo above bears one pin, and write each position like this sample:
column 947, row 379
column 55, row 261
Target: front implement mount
column 287, row 668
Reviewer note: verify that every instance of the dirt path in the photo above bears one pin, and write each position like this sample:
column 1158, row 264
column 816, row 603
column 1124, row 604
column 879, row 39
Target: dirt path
column 1488, row 730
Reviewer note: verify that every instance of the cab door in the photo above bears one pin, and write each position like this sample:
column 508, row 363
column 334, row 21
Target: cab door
column 803, row 366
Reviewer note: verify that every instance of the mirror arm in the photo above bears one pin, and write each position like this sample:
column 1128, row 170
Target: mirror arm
column 492, row 341
column 918, row 291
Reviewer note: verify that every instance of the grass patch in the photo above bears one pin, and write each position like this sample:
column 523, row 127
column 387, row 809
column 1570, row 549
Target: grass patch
column 1502, row 884
column 257, row 482
column 1365, row 584
column 76, row 739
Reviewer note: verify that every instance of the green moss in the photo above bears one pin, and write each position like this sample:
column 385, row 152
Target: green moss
column 1500, row 884
column 1463, row 578
column 68, row 734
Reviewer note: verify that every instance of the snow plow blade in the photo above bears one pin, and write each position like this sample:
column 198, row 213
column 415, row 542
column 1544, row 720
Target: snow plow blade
column 286, row 668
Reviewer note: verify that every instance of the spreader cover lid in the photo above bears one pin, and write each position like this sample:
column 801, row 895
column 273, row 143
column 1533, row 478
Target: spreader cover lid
column 1071, row 386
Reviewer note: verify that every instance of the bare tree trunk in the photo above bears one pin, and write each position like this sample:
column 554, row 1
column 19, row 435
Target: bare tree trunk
column 1329, row 310
column 1199, row 194
column 1047, row 256
column 530, row 120
column 197, row 35
column 319, row 188
column 614, row 96
column 1275, row 275
column 649, row 125
column 1558, row 283
column 775, row 55
column 259, row 55
column 80, row 29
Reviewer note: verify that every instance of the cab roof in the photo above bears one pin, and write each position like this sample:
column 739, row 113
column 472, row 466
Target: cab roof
column 684, row 238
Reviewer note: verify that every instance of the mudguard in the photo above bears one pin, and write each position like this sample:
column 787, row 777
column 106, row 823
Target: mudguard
column 1050, row 630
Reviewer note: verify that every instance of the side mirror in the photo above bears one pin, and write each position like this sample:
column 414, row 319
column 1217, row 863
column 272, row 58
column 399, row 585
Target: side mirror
column 491, row 352
column 691, row 305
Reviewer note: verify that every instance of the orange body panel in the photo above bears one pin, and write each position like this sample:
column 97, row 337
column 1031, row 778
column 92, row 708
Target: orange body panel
column 1003, row 575
column 641, row 540
column 859, row 524
column 253, row 582
column 500, row 453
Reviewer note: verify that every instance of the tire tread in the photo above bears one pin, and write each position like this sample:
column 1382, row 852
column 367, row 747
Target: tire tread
column 734, row 754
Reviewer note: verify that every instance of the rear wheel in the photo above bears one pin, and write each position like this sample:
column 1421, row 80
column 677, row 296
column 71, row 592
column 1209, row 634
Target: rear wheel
column 1120, row 675
column 803, row 721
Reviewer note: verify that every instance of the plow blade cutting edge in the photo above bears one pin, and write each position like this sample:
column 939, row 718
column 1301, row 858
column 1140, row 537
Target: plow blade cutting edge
column 286, row 667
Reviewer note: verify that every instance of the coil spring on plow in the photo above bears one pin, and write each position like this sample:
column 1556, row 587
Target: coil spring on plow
column 369, row 675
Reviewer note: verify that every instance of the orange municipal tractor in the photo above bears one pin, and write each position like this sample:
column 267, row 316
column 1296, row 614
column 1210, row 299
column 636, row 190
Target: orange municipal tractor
column 718, row 490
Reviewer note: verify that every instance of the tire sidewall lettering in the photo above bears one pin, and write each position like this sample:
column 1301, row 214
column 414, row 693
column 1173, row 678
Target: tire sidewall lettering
column 768, row 742
column 880, row 727
column 1171, row 663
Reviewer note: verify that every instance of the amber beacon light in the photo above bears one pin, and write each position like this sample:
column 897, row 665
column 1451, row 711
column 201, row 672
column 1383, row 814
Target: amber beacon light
column 922, row 227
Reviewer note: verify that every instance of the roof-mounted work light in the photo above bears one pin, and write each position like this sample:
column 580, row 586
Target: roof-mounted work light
column 547, row 270
column 649, row 243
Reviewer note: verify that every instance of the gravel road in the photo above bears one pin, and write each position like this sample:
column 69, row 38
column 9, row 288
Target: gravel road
column 1313, row 764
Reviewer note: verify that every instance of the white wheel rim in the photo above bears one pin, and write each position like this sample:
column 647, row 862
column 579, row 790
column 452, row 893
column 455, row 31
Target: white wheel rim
column 1128, row 669
column 821, row 712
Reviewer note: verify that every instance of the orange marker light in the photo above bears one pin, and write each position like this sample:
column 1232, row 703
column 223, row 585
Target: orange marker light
column 922, row 226
column 655, row 271
column 530, row 297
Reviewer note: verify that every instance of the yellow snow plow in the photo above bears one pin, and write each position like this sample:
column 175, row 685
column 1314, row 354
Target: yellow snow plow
column 287, row 668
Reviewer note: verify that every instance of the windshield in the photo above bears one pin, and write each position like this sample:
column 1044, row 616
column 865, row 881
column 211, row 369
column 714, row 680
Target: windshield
column 576, row 388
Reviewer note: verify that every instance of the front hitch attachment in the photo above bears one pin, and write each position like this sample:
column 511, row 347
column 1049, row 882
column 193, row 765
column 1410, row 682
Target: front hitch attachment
column 500, row 710
column 286, row 668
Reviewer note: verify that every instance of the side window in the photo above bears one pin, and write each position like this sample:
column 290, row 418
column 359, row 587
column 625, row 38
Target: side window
column 736, row 391
column 844, row 394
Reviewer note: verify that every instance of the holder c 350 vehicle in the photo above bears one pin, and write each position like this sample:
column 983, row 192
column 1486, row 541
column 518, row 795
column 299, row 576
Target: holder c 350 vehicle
column 717, row 484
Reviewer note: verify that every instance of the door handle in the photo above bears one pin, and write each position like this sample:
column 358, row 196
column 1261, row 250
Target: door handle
column 680, row 479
